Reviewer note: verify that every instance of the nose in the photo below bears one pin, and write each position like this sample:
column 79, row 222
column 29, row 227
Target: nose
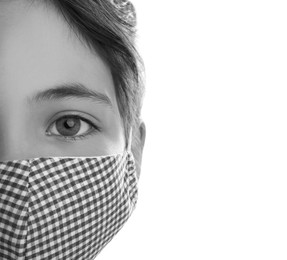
column 13, row 149
column 15, row 144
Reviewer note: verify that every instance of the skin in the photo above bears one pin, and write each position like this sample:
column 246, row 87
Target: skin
column 39, row 51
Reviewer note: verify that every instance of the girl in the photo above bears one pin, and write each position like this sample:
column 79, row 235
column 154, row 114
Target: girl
column 71, row 137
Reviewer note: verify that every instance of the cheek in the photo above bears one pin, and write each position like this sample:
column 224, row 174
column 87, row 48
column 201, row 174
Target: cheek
column 116, row 134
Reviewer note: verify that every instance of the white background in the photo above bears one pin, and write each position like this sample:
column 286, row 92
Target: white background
column 213, row 182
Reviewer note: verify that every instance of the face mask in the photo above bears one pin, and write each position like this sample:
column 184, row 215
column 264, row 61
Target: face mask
column 64, row 207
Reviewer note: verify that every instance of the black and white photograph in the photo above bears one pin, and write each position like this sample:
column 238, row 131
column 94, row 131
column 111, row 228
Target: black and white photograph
column 180, row 109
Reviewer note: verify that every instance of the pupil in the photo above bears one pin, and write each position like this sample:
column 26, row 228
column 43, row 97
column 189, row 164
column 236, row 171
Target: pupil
column 70, row 123
column 68, row 127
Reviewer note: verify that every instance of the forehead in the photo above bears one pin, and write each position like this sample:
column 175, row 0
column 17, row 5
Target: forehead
column 38, row 50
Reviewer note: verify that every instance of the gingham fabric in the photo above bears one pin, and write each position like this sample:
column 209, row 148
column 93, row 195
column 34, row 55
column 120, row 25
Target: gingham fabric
column 64, row 207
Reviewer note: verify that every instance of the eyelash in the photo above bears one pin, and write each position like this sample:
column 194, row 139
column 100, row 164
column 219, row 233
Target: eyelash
column 95, row 129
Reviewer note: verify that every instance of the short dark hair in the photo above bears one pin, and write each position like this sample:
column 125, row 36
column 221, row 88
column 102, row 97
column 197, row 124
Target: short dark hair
column 109, row 28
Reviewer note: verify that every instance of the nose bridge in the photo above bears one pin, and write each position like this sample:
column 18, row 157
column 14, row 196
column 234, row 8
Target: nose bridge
column 13, row 144
column 11, row 148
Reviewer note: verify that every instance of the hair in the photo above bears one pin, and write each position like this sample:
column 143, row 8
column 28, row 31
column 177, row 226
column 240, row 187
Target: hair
column 109, row 28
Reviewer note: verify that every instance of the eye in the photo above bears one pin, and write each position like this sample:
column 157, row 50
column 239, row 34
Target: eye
column 72, row 127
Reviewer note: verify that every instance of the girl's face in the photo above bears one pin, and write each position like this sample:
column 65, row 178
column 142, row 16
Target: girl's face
column 40, row 59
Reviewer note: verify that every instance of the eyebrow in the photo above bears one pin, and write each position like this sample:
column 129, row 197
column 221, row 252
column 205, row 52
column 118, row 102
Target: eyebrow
column 68, row 90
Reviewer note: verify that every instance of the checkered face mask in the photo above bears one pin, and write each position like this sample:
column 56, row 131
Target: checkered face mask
column 64, row 208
